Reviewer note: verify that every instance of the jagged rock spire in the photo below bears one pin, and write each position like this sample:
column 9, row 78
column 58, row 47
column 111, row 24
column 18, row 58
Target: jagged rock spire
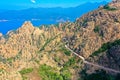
column 27, row 27
column 27, row 24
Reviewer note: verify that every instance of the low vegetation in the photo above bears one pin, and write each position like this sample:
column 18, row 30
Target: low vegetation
column 66, row 75
column 105, row 47
column 70, row 62
column 57, row 59
column 1, row 70
column 25, row 71
column 49, row 73
column 96, row 29
column 84, row 22
column 107, row 7
column 66, row 52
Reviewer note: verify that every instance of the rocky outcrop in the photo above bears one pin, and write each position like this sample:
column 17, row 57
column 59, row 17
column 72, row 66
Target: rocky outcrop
column 31, row 46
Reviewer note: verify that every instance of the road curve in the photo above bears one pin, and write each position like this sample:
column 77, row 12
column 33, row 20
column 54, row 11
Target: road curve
column 89, row 63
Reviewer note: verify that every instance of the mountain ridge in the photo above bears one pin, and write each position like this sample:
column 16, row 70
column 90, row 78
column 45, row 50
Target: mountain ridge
column 41, row 50
column 62, row 11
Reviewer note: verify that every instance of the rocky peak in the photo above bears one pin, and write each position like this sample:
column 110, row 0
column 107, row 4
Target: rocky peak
column 27, row 24
column 27, row 27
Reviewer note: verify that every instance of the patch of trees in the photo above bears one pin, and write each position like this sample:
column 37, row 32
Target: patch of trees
column 105, row 47
column 107, row 7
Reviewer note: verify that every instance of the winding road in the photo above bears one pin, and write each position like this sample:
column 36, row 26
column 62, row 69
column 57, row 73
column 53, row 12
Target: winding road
column 89, row 63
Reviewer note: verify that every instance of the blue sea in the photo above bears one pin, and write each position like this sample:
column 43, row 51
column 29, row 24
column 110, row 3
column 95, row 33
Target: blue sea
column 6, row 26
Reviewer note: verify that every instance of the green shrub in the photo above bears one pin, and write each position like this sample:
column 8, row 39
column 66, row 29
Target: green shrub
column 24, row 78
column 84, row 22
column 66, row 75
column 96, row 29
column 1, row 70
column 66, row 52
column 107, row 7
column 57, row 59
column 49, row 73
column 37, row 61
column 25, row 71
column 70, row 62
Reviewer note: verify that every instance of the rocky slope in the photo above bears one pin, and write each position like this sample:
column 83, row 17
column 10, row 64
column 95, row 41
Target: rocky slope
column 30, row 52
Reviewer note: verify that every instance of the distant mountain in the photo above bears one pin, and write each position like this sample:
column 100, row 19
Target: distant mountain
column 12, row 19
column 50, row 13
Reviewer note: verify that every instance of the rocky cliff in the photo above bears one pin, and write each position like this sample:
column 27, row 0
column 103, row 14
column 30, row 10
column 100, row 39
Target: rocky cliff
column 28, row 51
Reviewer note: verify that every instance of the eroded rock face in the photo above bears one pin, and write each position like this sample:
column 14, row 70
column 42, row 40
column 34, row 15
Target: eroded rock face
column 107, row 23
column 19, row 49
